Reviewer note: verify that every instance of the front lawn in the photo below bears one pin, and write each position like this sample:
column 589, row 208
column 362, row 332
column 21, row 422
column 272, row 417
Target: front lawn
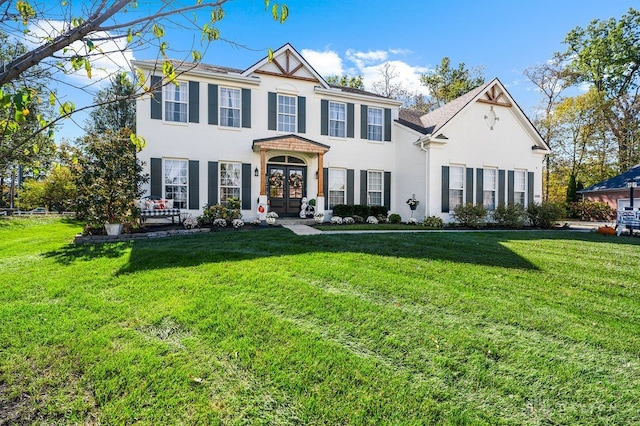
column 272, row 328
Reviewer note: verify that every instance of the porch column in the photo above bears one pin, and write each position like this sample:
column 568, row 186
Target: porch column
column 263, row 171
column 320, row 174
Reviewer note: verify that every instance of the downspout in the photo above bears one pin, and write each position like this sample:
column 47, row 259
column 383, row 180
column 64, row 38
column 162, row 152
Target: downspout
column 427, row 138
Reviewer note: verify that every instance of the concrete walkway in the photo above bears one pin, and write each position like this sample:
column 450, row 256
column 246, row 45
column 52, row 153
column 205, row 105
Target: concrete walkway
column 572, row 225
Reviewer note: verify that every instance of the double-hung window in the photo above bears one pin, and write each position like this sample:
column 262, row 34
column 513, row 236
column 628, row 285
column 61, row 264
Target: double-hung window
column 337, row 187
column 176, row 182
column 286, row 113
column 337, row 120
column 374, row 124
column 519, row 186
column 374, row 187
column 489, row 183
column 230, row 181
column 229, row 107
column 456, row 186
column 176, row 102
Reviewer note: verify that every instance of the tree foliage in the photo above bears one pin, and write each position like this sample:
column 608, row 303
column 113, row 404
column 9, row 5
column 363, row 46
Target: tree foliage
column 346, row 81
column 446, row 83
column 57, row 191
column 606, row 55
column 117, row 107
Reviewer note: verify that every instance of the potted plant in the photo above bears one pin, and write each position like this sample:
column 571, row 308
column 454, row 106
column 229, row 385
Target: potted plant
column 318, row 217
column 271, row 218
column 413, row 203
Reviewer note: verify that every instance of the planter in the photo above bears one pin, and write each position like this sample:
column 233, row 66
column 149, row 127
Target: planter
column 413, row 207
column 319, row 219
column 113, row 228
column 271, row 220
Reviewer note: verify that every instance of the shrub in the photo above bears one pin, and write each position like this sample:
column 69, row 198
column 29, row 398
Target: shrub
column 510, row 215
column 220, row 222
column 470, row 215
column 379, row 211
column 372, row 220
column 336, row 220
column 348, row 221
column 544, row 215
column 382, row 218
column 361, row 210
column 237, row 223
column 358, row 219
column 433, row 222
column 591, row 210
column 229, row 212
column 342, row 210
column 412, row 221
column 394, row 218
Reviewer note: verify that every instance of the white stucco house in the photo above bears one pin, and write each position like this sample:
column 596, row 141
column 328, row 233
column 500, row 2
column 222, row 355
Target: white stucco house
column 276, row 132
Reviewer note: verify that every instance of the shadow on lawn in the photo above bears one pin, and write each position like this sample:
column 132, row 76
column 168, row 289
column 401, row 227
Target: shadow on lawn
column 481, row 248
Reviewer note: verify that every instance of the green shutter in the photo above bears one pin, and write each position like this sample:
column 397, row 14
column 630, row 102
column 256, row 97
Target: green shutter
column 212, row 103
column 272, row 111
column 363, row 188
column 194, row 185
column 350, row 119
column 510, row 187
column 387, row 190
column 325, row 187
column 479, row 186
column 194, row 102
column 156, row 99
column 324, row 117
column 302, row 114
column 469, row 186
column 364, row 121
column 156, row 177
column 501, row 185
column 246, row 186
column 350, row 186
column 445, row 189
column 246, row 108
column 212, row 183
column 530, row 182
column 387, row 124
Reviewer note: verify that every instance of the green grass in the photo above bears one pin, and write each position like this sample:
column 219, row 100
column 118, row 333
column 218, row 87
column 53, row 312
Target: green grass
column 267, row 327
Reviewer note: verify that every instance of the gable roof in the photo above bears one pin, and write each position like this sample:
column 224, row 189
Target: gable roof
column 616, row 183
column 492, row 93
column 289, row 63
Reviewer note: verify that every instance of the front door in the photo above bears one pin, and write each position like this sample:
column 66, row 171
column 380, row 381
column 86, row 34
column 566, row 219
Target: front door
column 286, row 186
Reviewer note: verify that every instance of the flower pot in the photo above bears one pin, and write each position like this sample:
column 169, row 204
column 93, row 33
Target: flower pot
column 271, row 220
column 413, row 207
column 319, row 219
column 113, row 228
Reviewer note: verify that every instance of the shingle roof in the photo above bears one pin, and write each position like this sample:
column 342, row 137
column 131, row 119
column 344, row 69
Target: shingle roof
column 617, row 182
column 431, row 122
column 193, row 65
column 356, row 91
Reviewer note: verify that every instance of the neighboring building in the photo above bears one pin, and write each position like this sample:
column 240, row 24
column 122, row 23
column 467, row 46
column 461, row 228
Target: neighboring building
column 277, row 131
column 616, row 188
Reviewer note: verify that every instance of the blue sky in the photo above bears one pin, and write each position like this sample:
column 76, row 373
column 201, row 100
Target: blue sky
column 356, row 37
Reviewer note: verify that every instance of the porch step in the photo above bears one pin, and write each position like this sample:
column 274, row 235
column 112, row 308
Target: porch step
column 294, row 221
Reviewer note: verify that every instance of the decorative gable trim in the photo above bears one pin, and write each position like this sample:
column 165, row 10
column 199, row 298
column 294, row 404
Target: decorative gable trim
column 495, row 96
column 286, row 62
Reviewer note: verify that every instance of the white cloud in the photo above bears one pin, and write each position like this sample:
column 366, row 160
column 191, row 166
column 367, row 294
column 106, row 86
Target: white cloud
column 114, row 57
column 325, row 63
column 363, row 59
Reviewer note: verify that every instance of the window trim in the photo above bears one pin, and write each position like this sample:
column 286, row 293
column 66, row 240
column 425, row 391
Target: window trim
column 486, row 189
column 369, row 124
column 280, row 96
column 369, row 190
column 462, row 188
column 329, row 190
column 221, row 186
column 185, row 185
column 524, row 186
column 221, row 106
column 344, row 121
column 185, row 102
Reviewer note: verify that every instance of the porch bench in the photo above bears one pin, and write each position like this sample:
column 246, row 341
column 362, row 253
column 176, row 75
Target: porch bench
column 628, row 219
column 160, row 213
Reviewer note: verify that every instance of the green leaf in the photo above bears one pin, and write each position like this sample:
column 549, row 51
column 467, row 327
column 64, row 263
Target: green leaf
column 196, row 55
column 87, row 67
column 67, row 108
column 270, row 55
column 35, row 148
column 90, row 45
column 157, row 31
column 52, row 99
column 138, row 141
column 129, row 36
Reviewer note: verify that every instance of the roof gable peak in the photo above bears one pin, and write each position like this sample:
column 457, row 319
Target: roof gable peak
column 286, row 62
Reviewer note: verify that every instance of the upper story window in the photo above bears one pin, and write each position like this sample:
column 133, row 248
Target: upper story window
column 337, row 119
column 519, row 186
column 229, row 107
column 176, row 102
column 374, row 124
column 286, row 113
column 489, row 184
column 456, row 186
